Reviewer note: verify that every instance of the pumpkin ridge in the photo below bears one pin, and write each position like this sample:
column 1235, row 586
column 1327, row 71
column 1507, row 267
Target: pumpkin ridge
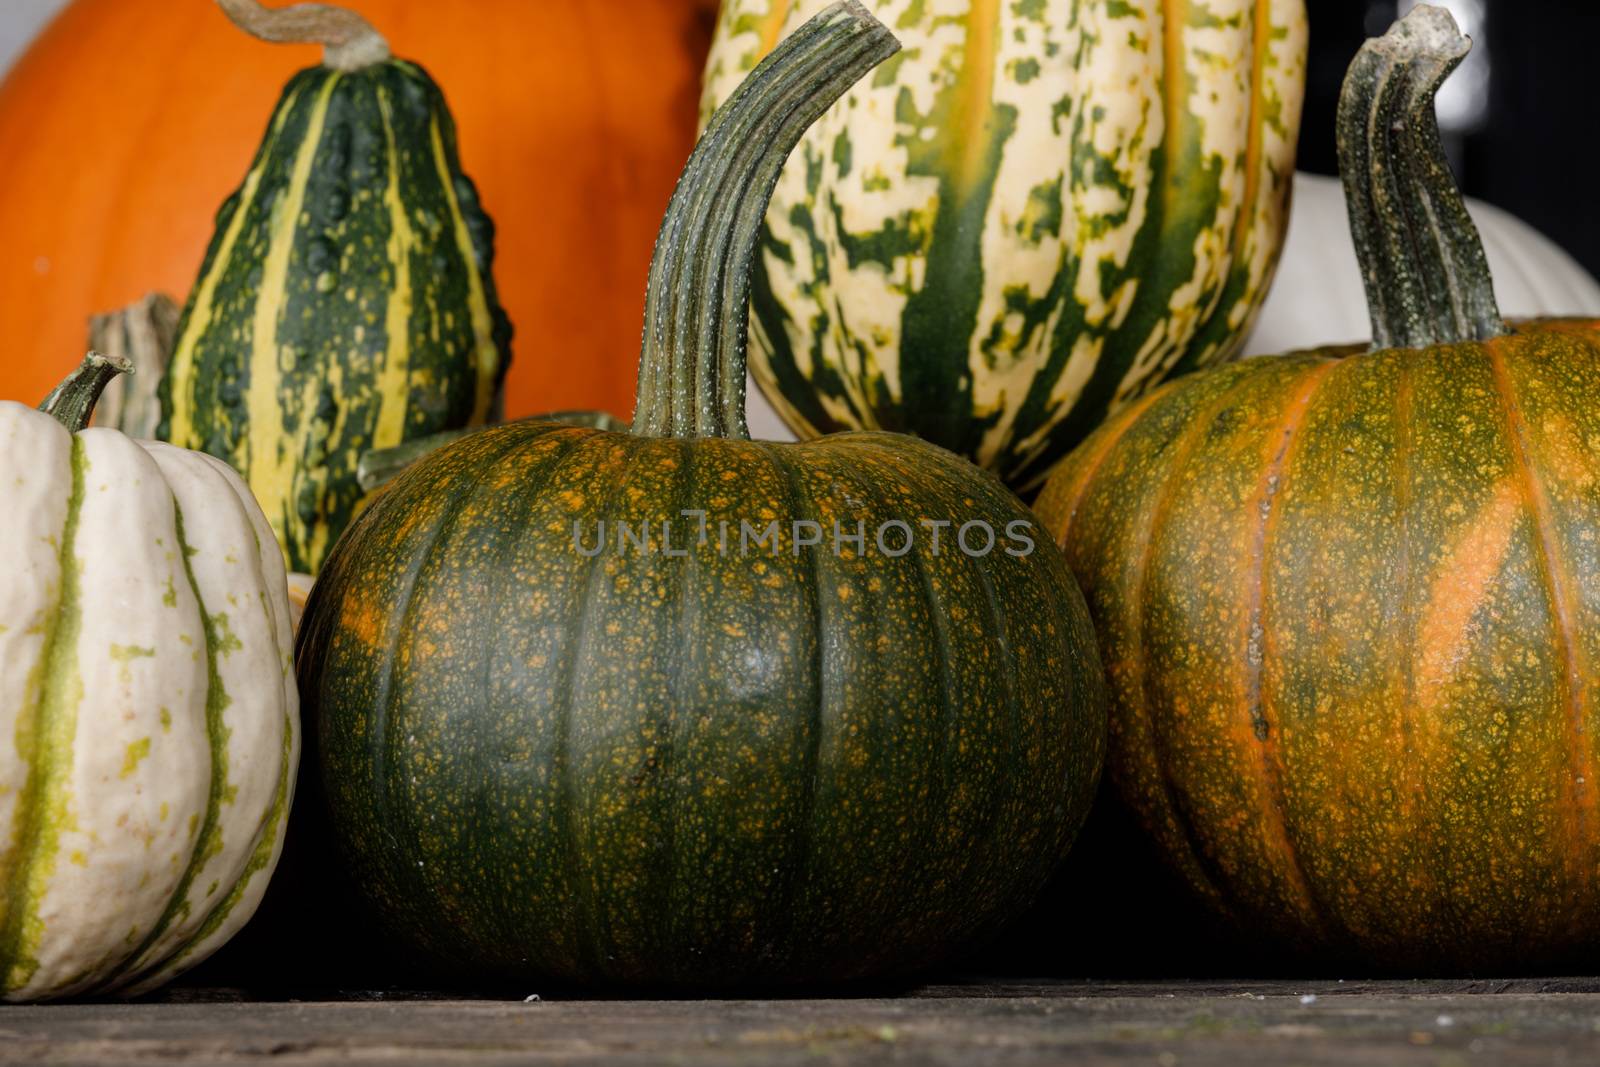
column 802, row 507
column 947, row 709
column 930, row 486
column 479, row 483
column 1258, row 642
column 207, row 840
column 384, row 675
column 1197, row 867
column 1009, row 680
column 1088, row 465
column 152, row 973
column 678, row 724
column 580, row 883
column 526, row 491
column 1579, row 805
column 1410, row 604
column 52, row 725
column 261, row 856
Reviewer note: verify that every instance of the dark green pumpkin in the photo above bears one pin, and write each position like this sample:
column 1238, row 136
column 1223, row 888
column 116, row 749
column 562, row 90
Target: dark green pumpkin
column 696, row 765
column 1350, row 600
column 346, row 302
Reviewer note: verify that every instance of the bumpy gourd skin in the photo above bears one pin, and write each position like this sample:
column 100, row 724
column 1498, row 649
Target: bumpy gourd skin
column 346, row 302
column 1350, row 610
column 701, row 770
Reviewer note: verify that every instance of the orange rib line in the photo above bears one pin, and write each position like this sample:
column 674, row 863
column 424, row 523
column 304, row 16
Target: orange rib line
column 1274, row 823
column 1077, row 487
column 1579, row 813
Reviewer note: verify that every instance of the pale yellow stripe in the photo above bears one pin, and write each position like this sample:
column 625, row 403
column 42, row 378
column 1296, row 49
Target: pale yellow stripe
column 771, row 29
column 181, row 368
column 270, row 468
column 482, row 321
column 968, row 138
column 393, row 384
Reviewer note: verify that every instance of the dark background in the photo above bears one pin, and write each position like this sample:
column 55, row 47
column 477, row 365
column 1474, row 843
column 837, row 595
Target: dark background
column 1536, row 149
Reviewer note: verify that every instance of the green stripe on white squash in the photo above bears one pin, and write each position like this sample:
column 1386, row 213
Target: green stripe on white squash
column 1038, row 211
column 147, row 689
column 346, row 302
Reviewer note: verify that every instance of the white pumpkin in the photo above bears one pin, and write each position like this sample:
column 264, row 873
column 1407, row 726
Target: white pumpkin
column 1317, row 298
column 149, row 723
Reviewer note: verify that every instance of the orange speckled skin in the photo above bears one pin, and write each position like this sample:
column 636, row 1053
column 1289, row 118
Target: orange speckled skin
column 708, row 770
column 1349, row 605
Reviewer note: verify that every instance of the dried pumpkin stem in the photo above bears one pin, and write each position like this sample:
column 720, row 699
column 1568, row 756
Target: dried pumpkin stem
column 348, row 41
column 72, row 402
column 692, row 370
column 146, row 333
column 1422, row 260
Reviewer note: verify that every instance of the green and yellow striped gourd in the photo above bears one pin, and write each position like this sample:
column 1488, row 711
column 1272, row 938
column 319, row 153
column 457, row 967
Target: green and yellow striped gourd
column 346, row 302
column 146, row 698
column 1034, row 213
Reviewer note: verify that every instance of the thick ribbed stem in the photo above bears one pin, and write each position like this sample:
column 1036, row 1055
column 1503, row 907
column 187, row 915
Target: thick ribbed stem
column 348, row 41
column 72, row 402
column 1421, row 257
column 692, row 369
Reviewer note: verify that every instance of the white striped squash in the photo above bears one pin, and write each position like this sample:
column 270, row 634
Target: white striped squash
column 1033, row 214
column 148, row 704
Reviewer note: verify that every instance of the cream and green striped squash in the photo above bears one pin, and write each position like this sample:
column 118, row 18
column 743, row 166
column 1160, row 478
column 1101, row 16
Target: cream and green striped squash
column 147, row 703
column 346, row 302
column 1033, row 214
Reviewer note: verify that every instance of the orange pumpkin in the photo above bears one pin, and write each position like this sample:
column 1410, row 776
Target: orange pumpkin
column 129, row 121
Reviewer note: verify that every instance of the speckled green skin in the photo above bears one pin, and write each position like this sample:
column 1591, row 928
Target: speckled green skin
column 1350, row 610
column 346, row 302
column 699, row 771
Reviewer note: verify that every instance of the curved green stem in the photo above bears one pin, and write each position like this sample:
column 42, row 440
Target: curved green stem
column 692, row 369
column 1421, row 257
column 72, row 402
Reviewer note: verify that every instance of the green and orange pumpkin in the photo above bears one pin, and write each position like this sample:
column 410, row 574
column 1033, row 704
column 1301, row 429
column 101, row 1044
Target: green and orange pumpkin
column 1035, row 213
column 705, row 760
column 1349, row 601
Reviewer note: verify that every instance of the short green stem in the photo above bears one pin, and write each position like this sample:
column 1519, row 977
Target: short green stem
column 1422, row 260
column 692, row 369
column 72, row 402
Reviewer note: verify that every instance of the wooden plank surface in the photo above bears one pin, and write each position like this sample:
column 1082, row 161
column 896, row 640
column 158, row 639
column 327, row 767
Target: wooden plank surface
column 1236, row 1024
